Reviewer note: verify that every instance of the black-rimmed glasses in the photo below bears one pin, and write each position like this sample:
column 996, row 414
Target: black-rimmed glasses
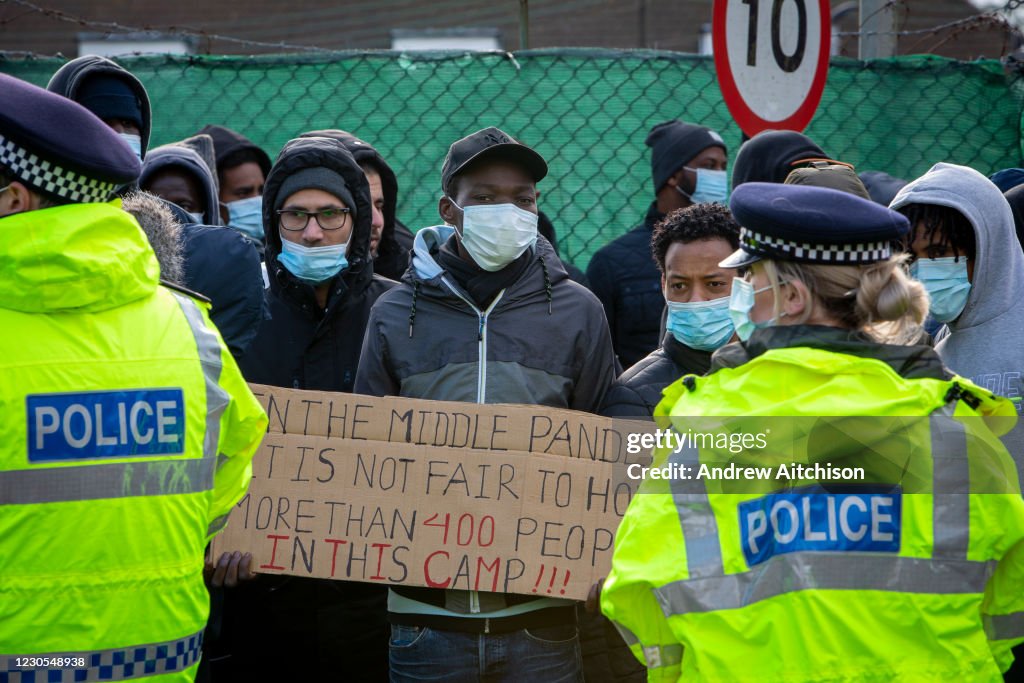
column 294, row 220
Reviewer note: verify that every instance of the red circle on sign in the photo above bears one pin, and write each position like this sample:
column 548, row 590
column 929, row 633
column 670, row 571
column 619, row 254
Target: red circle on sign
column 745, row 117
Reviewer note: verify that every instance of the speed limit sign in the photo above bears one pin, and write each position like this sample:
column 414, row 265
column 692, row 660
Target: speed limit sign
column 771, row 59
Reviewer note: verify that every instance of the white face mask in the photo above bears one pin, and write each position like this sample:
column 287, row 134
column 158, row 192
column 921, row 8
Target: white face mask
column 495, row 235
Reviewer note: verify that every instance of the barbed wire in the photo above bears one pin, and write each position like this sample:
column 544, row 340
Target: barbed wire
column 990, row 19
column 178, row 31
column 587, row 110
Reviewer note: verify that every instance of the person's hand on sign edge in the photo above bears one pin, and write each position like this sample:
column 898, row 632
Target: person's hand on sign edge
column 231, row 569
column 593, row 604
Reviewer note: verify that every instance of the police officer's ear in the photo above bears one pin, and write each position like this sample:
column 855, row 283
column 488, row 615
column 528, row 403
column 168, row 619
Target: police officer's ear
column 17, row 198
column 795, row 299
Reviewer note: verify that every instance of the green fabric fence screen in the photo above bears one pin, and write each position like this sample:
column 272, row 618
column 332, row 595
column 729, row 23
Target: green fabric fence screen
column 586, row 111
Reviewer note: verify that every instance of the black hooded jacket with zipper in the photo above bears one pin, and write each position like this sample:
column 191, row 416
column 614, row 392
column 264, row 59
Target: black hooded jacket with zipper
column 303, row 346
column 290, row 628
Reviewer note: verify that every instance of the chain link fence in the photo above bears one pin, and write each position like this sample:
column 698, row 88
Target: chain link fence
column 586, row 111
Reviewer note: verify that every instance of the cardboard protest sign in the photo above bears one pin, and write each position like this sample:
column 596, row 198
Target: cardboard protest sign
column 520, row 499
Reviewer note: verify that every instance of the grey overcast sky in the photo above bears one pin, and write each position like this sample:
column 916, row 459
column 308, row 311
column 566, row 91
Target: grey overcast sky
column 1017, row 16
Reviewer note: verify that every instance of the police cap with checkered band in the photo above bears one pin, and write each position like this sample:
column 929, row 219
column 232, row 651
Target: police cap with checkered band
column 58, row 147
column 811, row 225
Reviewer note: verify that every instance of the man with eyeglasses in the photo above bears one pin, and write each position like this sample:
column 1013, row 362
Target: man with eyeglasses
column 317, row 217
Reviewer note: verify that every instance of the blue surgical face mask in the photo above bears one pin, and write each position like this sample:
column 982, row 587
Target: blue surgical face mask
column 134, row 141
column 197, row 216
column 313, row 265
column 947, row 285
column 246, row 216
column 712, row 186
column 702, row 325
column 741, row 302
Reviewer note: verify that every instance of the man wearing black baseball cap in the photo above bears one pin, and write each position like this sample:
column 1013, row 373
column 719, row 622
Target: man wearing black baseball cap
column 128, row 429
column 486, row 314
column 687, row 167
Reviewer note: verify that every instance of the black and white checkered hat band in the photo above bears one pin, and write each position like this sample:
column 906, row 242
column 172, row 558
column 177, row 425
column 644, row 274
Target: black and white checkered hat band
column 48, row 177
column 766, row 245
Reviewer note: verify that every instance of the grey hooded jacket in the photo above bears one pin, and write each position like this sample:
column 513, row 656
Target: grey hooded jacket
column 544, row 340
column 983, row 344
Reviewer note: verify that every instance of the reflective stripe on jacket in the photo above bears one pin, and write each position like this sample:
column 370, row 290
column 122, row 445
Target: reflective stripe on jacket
column 126, row 436
column 714, row 581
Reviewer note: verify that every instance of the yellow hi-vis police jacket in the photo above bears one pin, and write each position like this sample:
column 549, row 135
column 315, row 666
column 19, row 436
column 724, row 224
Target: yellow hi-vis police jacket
column 126, row 436
column 922, row 579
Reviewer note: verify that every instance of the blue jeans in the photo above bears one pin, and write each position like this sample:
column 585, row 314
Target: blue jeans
column 549, row 654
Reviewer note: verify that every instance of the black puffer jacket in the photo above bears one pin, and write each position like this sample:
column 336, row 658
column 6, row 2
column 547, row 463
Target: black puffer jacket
column 395, row 239
column 302, row 346
column 288, row 628
column 638, row 389
column 625, row 278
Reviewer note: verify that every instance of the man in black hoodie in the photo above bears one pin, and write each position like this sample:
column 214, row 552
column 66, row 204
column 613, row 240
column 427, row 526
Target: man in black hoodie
column 319, row 301
column 242, row 169
column 390, row 240
column 688, row 167
column 110, row 92
column 317, row 216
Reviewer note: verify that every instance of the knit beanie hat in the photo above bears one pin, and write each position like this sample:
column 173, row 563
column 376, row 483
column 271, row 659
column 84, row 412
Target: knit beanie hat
column 674, row 143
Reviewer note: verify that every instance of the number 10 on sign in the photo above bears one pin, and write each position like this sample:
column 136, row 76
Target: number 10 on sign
column 771, row 59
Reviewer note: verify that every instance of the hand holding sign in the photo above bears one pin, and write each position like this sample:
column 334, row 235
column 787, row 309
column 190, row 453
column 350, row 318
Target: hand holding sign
column 230, row 570
column 511, row 499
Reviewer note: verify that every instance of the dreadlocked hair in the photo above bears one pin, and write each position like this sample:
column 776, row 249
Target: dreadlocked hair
column 943, row 226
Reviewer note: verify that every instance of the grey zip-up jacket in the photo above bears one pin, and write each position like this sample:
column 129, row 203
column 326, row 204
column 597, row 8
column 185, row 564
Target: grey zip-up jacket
column 544, row 340
column 984, row 343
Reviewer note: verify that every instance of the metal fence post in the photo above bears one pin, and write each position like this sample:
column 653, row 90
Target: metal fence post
column 877, row 29
column 524, row 25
